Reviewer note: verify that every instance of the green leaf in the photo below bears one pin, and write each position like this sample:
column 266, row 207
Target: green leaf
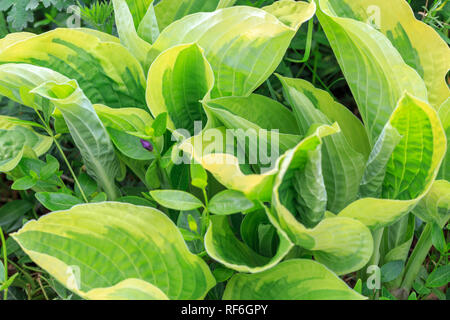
column 259, row 234
column 189, row 223
column 129, row 145
column 12, row 213
column 86, row 57
column 344, row 153
column 420, row 46
column 368, row 59
column 12, row 38
column 226, row 167
column 438, row 239
column 168, row 11
column 444, row 115
column 235, row 53
column 412, row 296
column 435, row 206
column 138, row 201
column 226, row 3
column 258, row 117
column 148, row 28
column 439, row 277
column 154, row 262
column 160, row 124
column 152, row 177
column 266, row 113
column 100, row 197
column 223, row 246
column 391, row 270
column 199, row 177
column 50, row 168
column 175, row 199
column 398, row 242
column 18, row 140
column 138, row 9
column 125, row 119
column 229, row 202
column 412, row 166
column 19, row 79
column 88, row 185
column 9, row 282
column 290, row 280
column 128, row 34
column 222, row 274
column 375, row 171
column 343, row 245
column 177, row 80
column 24, row 183
column 55, row 201
column 88, row 132
column 358, row 286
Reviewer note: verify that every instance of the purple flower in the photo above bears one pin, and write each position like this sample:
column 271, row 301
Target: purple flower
column 147, row 145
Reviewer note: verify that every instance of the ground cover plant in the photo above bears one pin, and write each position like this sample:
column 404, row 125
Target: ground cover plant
column 226, row 150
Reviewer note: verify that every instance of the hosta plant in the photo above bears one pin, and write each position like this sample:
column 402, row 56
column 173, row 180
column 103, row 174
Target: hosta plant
column 336, row 196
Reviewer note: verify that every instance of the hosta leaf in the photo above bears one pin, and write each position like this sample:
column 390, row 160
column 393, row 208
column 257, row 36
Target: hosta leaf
column 260, row 110
column 420, row 46
column 235, row 41
column 296, row 279
column 168, row 11
column 343, row 245
column 12, row 38
column 257, row 114
column 399, row 238
column 138, row 9
column 343, row 153
column 88, row 132
column 105, row 70
column 17, row 80
column 375, row 71
column 17, row 139
column 124, row 119
column 375, row 171
column 412, row 166
column 127, row 31
column 435, row 206
column 129, row 289
column 177, row 80
column 226, row 167
column 222, row 245
column 444, row 115
column 226, row 3
column 148, row 28
column 82, row 249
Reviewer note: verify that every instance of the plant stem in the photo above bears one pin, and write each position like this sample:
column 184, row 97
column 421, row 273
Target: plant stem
column 5, row 261
column 205, row 213
column 50, row 133
column 75, row 179
column 417, row 257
